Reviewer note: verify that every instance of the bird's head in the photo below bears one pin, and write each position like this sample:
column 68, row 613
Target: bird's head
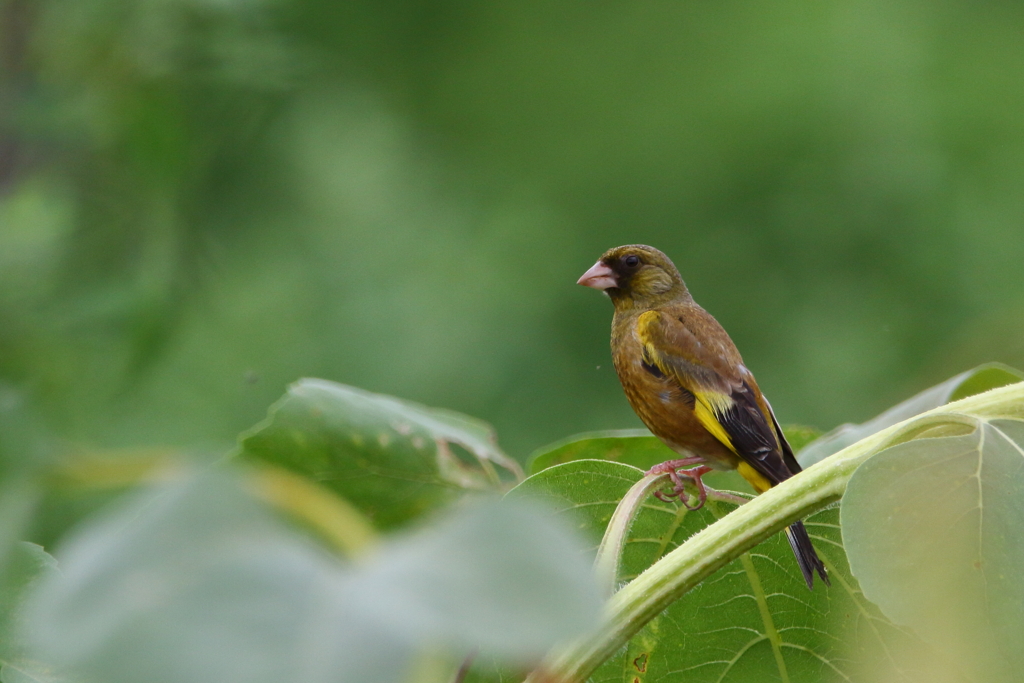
column 636, row 275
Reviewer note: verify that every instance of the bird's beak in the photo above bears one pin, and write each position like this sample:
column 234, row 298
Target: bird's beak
column 599, row 276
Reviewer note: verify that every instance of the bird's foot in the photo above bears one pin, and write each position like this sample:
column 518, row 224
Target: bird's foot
column 670, row 466
column 674, row 470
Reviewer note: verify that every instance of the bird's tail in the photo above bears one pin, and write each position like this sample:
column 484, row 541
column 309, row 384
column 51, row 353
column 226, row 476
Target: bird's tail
column 806, row 557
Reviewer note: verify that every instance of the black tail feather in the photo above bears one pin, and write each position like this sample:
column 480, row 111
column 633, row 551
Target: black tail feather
column 806, row 557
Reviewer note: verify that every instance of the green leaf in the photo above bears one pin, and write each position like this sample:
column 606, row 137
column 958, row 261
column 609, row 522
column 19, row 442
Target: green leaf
column 586, row 493
column 500, row 577
column 485, row 670
column 754, row 619
column 600, row 483
column 933, row 530
column 393, row 459
column 976, row 381
column 636, row 447
column 25, row 566
column 197, row 581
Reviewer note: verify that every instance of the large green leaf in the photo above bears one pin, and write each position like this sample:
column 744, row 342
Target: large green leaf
column 933, row 530
column 196, row 581
column 393, row 459
column 25, row 565
column 976, row 381
column 754, row 620
column 636, row 447
column 26, row 448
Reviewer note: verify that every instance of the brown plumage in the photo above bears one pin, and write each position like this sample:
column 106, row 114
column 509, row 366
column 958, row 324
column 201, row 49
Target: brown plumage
column 685, row 379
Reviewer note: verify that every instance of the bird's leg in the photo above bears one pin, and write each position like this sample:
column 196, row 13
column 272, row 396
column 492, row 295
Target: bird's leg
column 695, row 473
column 672, row 469
column 670, row 466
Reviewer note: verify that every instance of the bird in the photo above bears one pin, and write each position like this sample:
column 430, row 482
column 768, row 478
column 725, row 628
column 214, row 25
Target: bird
column 685, row 379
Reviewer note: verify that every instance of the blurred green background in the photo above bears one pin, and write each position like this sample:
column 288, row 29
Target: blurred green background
column 204, row 200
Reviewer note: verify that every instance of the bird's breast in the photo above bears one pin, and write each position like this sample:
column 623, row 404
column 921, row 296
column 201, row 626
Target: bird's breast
column 664, row 405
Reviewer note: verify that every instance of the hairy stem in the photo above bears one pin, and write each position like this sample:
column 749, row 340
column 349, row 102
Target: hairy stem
column 609, row 553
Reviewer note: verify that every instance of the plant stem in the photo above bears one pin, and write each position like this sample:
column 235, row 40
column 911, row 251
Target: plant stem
column 609, row 553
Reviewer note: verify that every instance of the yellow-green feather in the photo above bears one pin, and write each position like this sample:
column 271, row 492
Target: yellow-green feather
column 707, row 408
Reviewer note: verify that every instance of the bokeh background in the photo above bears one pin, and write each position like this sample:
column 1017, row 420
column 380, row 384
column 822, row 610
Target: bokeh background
column 204, row 200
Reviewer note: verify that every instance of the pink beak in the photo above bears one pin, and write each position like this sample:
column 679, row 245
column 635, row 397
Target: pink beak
column 599, row 276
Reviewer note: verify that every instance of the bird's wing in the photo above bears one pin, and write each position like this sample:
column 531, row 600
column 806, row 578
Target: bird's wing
column 727, row 400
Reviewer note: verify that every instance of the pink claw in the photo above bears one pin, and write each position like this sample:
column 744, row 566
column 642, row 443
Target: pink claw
column 674, row 468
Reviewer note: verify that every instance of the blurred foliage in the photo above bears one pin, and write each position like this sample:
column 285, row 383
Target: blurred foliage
column 966, row 488
column 194, row 580
column 201, row 200
column 267, row 565
column 392, row 459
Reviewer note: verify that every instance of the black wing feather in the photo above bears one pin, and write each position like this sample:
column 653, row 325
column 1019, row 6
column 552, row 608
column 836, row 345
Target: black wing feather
column 766, row 449
column 753, row 437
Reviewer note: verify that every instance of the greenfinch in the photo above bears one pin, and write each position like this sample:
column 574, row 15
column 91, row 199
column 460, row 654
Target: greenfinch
column 685, row 379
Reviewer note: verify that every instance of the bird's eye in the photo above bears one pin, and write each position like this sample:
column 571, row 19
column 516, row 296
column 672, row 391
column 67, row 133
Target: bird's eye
column 631, row 261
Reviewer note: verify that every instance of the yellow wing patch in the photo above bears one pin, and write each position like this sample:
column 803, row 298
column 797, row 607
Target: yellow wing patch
column 756, row 479
column 706, row 408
